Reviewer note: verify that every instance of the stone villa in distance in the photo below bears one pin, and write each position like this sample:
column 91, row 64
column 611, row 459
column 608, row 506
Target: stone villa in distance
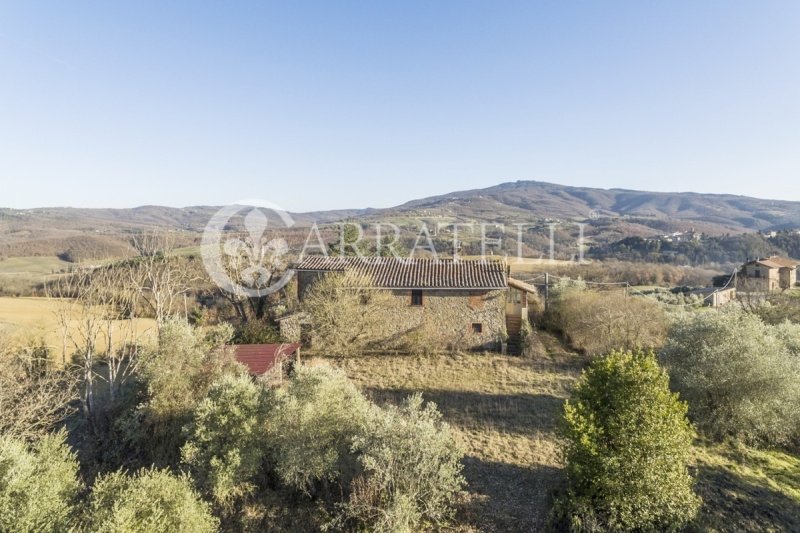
column 767, row 275
column 471, row 304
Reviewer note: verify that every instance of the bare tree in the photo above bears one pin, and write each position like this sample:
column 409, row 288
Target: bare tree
column 63, row 292
column 158, row 275
column 348, row 314
column 116, row 298
column 33, row 396
column 254, row 267
column 80, row 324
column 95, row 308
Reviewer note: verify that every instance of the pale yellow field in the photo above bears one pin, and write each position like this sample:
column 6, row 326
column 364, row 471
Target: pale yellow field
column 22, row 319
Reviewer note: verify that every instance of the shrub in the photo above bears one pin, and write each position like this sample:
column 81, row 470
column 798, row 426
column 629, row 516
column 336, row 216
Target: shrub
column 779, row 308
column 738, row 374
column 151, row 501
column 627, row 446
column 411, row 470
column 530, row 342
column 598, row 322
column 38, row 485
column 256, row 332
column 225, row 445
column 312, row 426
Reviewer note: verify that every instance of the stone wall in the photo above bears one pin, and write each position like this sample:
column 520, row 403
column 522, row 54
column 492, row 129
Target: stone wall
column 788, row 278
column 758, row 278
column 446, row 320
column 291, row 327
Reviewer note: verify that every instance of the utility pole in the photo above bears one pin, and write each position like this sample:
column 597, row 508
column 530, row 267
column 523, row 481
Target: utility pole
column 546, row 291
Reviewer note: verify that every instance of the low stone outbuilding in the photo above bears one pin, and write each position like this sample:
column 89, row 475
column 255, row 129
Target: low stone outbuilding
column 262, row 359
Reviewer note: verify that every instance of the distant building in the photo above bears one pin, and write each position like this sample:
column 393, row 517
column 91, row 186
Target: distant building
column 767, row 275
column 716, row 297
column 682, row 236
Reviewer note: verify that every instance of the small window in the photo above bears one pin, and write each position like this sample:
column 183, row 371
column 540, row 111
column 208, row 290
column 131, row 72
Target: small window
column 477, row 327
column 416, row 297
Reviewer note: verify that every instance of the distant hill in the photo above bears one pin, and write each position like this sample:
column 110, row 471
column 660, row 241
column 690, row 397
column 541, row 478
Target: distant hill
column 521, row 199
column 610, row 214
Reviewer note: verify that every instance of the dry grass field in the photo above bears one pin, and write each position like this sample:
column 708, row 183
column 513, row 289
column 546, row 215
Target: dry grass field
column 505, row 410
column 23, row 319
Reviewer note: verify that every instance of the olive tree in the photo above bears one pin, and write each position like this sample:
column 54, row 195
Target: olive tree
column 226, row 438
column 176, row 376
column 410, row 470
column 740, row 376
column 150, row 501
column 38, row 485
column 312, row 426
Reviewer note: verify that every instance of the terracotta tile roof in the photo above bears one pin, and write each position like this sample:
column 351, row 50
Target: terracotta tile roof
column 261, row 358
column 393, row 273
column 776, row 262
column 521, row 285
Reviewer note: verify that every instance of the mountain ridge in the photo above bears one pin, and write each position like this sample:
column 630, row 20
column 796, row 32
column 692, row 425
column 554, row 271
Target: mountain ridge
column 507, row 202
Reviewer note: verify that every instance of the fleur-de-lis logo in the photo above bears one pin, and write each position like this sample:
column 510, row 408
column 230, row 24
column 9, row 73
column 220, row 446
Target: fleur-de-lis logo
column 252, row 263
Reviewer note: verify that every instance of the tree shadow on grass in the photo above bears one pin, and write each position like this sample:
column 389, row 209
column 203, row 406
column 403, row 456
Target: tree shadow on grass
column 524, row 414
column 505, row 497
column 741, row 503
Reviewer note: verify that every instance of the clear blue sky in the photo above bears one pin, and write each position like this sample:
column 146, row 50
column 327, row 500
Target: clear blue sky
column 319, row 105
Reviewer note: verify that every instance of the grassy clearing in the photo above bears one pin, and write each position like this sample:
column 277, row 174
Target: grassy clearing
column 18, row 275
column 33, row 265
column 22, row 319
column 747, row 490
column 505, row 410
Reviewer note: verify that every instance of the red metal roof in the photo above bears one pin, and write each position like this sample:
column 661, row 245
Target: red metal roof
column 394, row 273
column 260, row 358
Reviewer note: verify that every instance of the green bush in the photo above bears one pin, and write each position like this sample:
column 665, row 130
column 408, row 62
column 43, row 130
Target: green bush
column 226, row 438
column 628, row 443
column 312, row 426
column 740, row 376
column 38, row 485
column 411, row 470
column 151, row 501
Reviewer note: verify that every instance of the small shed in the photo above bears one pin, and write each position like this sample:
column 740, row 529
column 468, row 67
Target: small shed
column 261, row 359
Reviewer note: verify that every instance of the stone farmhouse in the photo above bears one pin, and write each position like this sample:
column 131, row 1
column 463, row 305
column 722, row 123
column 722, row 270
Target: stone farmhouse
column 467, row 303
column 766, row 275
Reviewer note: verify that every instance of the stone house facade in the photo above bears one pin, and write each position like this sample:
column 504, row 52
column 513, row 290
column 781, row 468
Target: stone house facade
column 767, row 275
column 454, row 304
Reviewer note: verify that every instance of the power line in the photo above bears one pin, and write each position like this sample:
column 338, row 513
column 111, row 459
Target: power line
column 628, row 287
